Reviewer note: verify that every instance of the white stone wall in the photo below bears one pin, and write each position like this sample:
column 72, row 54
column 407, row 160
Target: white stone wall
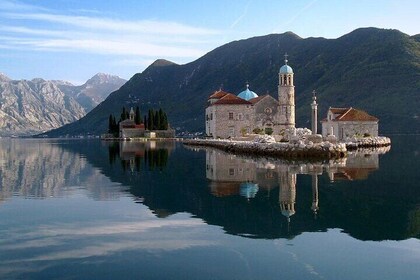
column 267, row 114
column 223, row 127
column 344, row 130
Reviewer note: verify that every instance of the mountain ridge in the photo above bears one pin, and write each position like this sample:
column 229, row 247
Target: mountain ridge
column 29, row 107
column 372, row 69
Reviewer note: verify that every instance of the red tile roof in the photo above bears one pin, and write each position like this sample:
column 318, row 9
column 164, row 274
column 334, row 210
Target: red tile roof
column 256, row 99
column 338, row 110
column 230, row 99
column 218, row 94
column 351, row 114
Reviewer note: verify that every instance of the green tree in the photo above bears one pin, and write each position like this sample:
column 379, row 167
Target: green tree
column 157, row 120
column 145, row 122
column 110, row 126
column 137, row 117
column 165, row 121
column 150, row 120
column 124, row 114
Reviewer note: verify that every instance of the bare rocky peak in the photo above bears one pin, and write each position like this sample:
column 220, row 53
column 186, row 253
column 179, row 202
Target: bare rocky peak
column 62, row 83
column 4, row 78
column 102, row 78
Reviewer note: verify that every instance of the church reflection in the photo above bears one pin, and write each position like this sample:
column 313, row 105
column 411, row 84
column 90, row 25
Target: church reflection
column 132, row 154
column 231, row 175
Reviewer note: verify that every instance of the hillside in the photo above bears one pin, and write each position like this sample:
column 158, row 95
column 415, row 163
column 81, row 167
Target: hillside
column 372, row 69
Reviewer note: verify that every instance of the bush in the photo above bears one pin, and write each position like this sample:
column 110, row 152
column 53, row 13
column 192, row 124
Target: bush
column 257, row 130
column 268, row 130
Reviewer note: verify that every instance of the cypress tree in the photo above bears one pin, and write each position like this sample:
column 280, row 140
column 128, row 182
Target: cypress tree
column 114, row 125
column 110, row 126
column 151, row 120
column 165, row 122
column 123, row 114
column 137, row 118
column 157, row 120
column 161, row 119
column 145, row 122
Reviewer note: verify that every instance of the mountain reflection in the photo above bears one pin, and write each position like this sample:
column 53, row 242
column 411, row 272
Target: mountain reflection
column 43, row 169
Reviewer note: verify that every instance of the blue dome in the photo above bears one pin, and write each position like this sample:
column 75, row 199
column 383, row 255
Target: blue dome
column 248, row 189
column 286, row 69
column 247, row 94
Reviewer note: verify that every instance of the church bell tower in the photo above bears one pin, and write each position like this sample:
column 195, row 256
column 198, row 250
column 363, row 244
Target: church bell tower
column 286, row 91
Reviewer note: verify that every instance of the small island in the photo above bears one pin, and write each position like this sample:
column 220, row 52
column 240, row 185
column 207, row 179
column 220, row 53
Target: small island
column 132, row 126
column 262, row 125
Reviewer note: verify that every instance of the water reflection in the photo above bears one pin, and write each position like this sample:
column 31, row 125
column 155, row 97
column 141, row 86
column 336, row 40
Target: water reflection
column 132, row 153
column 235, row 175
column 258, row 198
column 43, row 169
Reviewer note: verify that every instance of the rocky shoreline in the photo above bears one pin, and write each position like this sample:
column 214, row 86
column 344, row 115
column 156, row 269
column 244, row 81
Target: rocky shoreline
column 368, row 142
column 298, row 149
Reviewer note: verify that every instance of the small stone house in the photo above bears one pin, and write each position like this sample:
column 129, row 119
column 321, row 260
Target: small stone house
column 129, row 129
column 347, row 122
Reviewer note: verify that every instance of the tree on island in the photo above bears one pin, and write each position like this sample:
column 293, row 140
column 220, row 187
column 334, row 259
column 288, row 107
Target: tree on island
column 137, row 118
column 154, row 120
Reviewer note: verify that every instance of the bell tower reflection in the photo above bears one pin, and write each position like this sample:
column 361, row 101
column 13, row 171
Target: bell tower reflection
column 315, row 206
column 287, row 192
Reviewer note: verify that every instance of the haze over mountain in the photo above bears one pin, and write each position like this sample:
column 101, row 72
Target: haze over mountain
column 36, row 106
column 376, row 70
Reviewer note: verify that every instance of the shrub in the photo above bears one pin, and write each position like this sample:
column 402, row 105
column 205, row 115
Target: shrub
column 268, row 130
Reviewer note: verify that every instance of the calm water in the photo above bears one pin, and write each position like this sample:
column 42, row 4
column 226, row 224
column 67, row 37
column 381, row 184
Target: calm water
column 158, row 210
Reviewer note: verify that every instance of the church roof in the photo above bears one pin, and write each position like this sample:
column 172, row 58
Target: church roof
column 247, row 94
column 351, row 114
column 259, row 98
column 218, row 94
column 230, row 99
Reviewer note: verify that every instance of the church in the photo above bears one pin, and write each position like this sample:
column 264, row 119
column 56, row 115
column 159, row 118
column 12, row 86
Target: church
column 229, row 115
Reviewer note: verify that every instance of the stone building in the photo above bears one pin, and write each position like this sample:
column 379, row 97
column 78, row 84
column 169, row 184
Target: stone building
column 129, row 129
column 228, row 115
column 347, row 122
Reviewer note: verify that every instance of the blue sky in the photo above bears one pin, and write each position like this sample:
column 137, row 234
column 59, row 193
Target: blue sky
column 74, row 39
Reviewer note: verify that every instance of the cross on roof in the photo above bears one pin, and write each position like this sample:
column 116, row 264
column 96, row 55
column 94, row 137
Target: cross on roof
column 314, row 95
column 285, row 58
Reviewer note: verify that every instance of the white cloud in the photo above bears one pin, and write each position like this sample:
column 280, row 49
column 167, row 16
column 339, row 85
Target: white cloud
column 31, row 28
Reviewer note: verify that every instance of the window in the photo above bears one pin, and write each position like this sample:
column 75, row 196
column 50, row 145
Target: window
column 268, row 110
column 247, row 117
column 231, row 131
column 231, row 171
column 230, row 116
column 211, row 116
column 240, row 116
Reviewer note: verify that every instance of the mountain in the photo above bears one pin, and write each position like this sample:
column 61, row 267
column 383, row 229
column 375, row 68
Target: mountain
column 372, row 69
column 94, row 91
column 31, row 107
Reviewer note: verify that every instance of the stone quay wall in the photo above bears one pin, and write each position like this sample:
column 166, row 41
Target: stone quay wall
column 366, row 142
column 291, row 150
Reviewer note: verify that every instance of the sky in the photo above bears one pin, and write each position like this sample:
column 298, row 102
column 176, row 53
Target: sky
column 73, row 40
